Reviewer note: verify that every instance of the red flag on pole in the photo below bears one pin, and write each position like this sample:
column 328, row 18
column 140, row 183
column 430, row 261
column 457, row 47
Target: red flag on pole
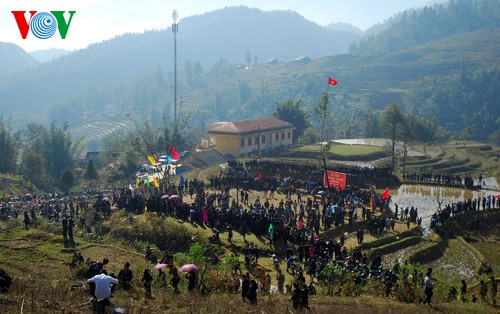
column 172, row 150
column 385, row 195
column 332, row 81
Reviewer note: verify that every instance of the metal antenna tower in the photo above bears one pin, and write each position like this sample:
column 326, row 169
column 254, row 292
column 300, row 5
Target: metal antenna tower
column 175, row 29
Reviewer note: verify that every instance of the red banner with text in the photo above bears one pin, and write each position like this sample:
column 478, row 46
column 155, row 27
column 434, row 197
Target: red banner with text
column 336, row 179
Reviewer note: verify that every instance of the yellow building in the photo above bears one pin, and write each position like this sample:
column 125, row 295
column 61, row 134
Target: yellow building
column 249, row 137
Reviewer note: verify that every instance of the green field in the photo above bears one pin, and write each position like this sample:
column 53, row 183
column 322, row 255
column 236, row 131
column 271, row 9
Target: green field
column 343, row 150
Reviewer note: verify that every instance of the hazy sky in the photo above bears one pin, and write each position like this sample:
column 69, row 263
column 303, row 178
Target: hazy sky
column 97, row 20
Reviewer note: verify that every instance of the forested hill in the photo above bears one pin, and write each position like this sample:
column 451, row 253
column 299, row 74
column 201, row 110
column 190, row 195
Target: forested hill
column 14, row 59
column 453, row 78
column 235, row 35
column 416, row 27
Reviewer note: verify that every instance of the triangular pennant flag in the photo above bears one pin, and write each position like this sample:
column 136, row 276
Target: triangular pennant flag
column 137, row 182
column 157, row 184
column 270, row 227
column 145, row 209
column 385, row 195
column 147, row 181
column 152, row 160
column 172, row 150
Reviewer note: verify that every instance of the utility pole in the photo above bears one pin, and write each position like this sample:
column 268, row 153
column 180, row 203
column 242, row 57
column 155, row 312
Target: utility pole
column 175, row 29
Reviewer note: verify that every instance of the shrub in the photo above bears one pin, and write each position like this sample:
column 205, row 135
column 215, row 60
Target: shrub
column 149, row 229
column 197, row 253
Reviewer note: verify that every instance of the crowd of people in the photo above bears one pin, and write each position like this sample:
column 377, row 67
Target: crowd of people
column 290, row 211
column 442, row 179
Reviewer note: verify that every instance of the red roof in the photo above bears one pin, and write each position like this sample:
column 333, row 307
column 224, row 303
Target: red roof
column 250, row 126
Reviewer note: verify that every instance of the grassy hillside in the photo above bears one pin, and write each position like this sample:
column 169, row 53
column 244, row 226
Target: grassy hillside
column 459, row 157
column 45, row 284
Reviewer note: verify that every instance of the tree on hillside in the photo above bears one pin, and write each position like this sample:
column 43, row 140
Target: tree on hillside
column 54, row 144
column 67, row 179
column 323, row 114
column 408, row 137
column 391, row 124
column 90, row 173
column 9, row 147
column 371, row 125
column 291, row 112
column 32, row 165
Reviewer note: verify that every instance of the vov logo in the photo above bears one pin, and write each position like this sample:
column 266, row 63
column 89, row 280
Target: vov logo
column 43, row 24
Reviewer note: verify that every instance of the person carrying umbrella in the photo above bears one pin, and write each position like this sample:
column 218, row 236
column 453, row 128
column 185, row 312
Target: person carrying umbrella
column 191, row 277
column 175, row 277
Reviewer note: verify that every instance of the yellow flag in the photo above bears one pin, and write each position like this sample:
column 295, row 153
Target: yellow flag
column 137, row 181
column 145, row 208
column 152, row 160
column 157, row 184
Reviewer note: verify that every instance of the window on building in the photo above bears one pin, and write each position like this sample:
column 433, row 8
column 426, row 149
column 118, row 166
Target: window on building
column 277, row 136
column 289, row 135
column 263, row 139
column 283, row 135
column 249, row 142
column 242, row 143
column 256, row 140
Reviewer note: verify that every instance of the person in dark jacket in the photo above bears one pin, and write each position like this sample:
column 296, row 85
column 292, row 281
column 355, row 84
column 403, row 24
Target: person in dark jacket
column 245, row 284
column 304, row 297
column 252, row 292
column 147, row 280
column 125, row 276
column 191, row 276
column 296, row 296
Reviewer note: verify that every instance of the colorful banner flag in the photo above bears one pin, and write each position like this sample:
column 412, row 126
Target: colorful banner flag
column 371, row 204
column 171, row 150
column 334, row 179
column 157, row 184
column 152, row 160
column 181, row 180
column 147, row 181
column 145, row 208
column 137, row 182
column 332, row 81
column 270, row 227
column 385, row 195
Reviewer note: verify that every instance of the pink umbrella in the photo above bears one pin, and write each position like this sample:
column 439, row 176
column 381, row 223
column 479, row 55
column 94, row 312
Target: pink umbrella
column 165, row 197
column 174, row 197
column 188, row 268
column 160, row 266
column 114, row 209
